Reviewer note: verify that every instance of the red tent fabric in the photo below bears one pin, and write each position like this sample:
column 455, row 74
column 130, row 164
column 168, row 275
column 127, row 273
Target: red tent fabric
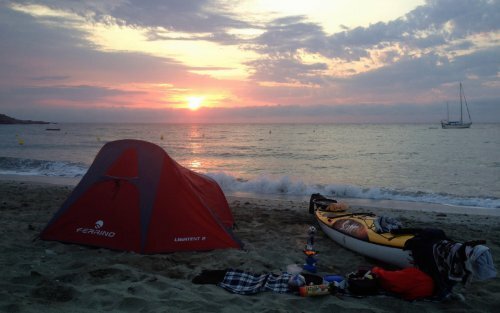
column 134, row 197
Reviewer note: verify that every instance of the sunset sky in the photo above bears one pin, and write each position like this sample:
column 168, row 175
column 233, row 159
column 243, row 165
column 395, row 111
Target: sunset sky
column 360, row 61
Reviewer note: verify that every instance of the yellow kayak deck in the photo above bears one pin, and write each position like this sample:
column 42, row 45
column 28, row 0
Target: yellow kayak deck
column 360, row 226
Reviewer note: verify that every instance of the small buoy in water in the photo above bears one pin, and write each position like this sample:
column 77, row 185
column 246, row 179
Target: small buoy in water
column 161, row 137
column 98, row 138
column 20, row 141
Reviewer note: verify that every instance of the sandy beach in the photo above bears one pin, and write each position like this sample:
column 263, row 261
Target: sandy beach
column 41, row 276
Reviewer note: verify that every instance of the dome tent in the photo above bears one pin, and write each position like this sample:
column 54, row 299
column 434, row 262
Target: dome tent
column 134, row 197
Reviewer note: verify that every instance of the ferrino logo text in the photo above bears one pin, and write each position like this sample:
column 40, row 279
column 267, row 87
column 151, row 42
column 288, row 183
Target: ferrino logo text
column 188, row 239
column 97, row 230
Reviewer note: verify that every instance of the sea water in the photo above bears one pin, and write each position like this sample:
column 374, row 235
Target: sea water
column 421, row 162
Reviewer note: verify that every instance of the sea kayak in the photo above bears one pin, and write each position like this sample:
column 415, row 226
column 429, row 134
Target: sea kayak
column 357, row 232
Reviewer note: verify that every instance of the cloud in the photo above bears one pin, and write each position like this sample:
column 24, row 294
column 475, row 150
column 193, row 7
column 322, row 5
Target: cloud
column 36, row 57
column 431, row 25
column 284, row 70
column 201, row 16
column 36, row 49
column 384, row 67
column 89, row 96
column 285, row 36
column 432, row 30
column 50, row 78
column 411, row 76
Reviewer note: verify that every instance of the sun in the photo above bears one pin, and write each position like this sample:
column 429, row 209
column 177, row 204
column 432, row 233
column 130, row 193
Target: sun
column 194, row 103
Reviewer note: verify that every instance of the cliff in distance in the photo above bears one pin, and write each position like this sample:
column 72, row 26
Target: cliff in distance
column 4, row 119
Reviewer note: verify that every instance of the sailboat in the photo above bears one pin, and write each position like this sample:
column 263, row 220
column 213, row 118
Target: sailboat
column 458, row 124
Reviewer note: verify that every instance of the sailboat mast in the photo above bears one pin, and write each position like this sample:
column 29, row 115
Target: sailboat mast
column 460, row 95
column 466, row 106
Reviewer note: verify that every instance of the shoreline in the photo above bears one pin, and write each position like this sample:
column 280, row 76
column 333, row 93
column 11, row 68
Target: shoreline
column 366, row 203
column 48, row 180
column 49, row 276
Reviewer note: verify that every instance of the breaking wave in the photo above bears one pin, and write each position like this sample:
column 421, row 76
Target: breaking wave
column 20, row 166
column 262, row 185
column 288, row 187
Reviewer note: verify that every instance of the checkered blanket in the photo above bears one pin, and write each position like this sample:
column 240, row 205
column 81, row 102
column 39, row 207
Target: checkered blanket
column 245, row 283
